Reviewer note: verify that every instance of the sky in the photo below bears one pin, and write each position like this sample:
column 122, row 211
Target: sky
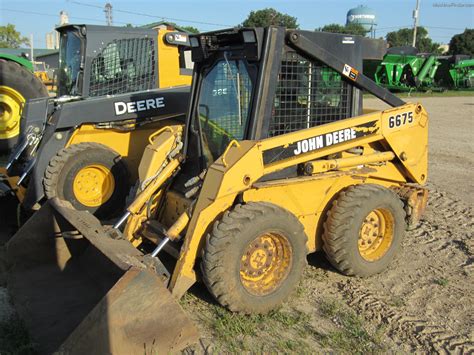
column 442, row 18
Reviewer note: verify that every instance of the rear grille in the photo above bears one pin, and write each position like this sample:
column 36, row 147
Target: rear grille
column 308, row 94
column 124, row 65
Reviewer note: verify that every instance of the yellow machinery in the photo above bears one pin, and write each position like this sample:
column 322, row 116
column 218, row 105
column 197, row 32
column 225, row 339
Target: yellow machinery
column 88, row 153
column 17, row 85
column 46, row 75
column 276, row 161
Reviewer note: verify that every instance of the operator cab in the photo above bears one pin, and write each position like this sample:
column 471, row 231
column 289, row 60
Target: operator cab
column 237, row 96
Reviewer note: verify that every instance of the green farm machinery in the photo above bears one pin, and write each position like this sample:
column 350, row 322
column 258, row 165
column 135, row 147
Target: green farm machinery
column 462, row 74
column 404, row 69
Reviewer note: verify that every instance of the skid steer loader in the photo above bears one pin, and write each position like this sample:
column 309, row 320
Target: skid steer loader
column 116, row 86
column 276, row 161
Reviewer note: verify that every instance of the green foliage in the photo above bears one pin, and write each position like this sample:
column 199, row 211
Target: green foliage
column 350, row 29
column 190, row 29
column 10, row 37
column 462, row 43
column 441, row 282
column 269, row 17
column 404, row 37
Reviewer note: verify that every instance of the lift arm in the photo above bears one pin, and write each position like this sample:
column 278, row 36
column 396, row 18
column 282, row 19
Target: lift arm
column 301, row 43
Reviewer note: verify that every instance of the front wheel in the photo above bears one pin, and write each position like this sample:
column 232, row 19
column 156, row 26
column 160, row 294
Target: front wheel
column 364, row 229
column 91, row 176
column 254, row 257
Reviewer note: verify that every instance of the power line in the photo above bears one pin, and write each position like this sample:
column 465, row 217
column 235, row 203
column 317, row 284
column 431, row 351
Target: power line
column 409, row 26
column 73, row 17
column 152, row 16
column 445, row 28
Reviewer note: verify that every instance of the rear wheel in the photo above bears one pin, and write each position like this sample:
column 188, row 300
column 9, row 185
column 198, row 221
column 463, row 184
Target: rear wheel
column 364, row 229
column 91, row 176
column 17, row 85
column 254, row 257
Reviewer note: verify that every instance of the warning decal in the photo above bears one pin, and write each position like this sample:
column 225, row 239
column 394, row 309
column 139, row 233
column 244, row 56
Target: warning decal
column 350, row 72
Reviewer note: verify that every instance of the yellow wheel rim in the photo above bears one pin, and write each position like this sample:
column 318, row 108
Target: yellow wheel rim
column 11, row 103
column 376, row 234
column 265, row 263
column 93, row 185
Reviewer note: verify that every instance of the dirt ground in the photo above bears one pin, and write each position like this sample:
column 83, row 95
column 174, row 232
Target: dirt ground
column 422, row 303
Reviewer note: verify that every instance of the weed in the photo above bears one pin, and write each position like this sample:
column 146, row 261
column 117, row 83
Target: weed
column 351, row 335
column 397, row 301
column 292, row 346
column 442, row 282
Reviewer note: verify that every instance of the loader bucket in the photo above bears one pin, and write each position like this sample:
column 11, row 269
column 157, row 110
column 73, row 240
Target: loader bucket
column 80, row 291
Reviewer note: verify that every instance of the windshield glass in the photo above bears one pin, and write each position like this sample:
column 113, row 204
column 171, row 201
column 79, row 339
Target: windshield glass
column 224, row 105
column 69, row 63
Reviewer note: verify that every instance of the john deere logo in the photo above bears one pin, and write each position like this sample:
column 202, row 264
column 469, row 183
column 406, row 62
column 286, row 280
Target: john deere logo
column 122, row 108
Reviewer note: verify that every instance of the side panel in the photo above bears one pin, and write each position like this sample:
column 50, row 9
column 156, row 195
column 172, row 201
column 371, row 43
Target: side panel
column 169, row 70
column 129, row 144
column 309, row 198
column 138, row 105
column 406, row 131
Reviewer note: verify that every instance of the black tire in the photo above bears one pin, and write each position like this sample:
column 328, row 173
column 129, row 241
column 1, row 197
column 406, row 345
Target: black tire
column 26, row 83
column 63, row 168
column 228, row 242
column 343, row 224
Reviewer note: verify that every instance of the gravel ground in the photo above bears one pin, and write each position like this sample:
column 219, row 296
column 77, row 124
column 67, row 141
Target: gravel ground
column 451, row 143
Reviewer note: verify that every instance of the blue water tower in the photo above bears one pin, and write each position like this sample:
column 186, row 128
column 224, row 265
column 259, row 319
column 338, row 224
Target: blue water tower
column 364, row 16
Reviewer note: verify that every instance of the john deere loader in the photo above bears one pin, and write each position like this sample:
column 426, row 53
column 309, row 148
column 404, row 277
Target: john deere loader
column 116, row 86
column 276, row 160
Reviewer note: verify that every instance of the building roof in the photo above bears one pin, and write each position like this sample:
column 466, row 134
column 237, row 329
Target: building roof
column 50, row 52
column 168, row 25
column 38, row 52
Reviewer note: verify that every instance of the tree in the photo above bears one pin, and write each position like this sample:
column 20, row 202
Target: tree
column 268, row 17
column 404, row 37
column 11, row 38
column 190, row 29
column 350, row 29
column 462, row 43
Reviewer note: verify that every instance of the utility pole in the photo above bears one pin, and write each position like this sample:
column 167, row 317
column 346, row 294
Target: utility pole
column 108, row 14
column 416, row 14
column 32, row 59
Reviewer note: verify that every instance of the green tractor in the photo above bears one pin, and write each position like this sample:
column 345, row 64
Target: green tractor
column 18, row 84
column 462, row 74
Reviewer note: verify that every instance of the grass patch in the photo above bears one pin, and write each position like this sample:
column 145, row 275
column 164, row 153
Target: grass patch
column 451, row 93
column 273, row 332
column 14, row 338
column 351, row 335
column 397, row 301
column 441, row 282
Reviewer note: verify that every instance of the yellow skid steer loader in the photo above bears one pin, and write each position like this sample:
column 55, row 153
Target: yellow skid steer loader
column 276, row 160
column 116, row 86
